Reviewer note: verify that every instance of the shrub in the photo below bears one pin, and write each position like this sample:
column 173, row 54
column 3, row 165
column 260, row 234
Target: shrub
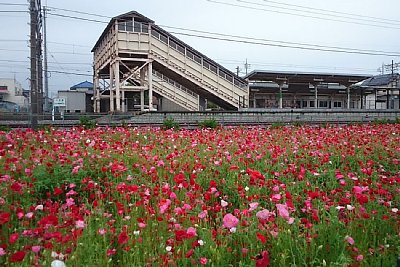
column 170, row 123
column 209, row 123
column 86, row 123
column 5, row 128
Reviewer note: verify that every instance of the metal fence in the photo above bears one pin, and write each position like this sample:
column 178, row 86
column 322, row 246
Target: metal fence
column 286, row 116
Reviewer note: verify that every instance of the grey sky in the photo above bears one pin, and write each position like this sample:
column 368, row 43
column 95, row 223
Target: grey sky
column 70, row 40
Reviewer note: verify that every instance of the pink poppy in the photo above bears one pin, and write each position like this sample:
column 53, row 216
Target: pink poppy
column 230, row 221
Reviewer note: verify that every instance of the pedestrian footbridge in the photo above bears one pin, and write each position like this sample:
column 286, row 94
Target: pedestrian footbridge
column 138, row 62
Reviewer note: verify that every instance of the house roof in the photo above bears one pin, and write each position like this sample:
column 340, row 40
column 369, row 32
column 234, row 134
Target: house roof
column 84, row 84
column 379, row 80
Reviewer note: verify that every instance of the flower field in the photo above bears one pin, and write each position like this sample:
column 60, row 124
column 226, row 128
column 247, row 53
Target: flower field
column 282, row 196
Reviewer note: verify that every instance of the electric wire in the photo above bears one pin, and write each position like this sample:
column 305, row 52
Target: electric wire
column 283, row 44
column 288, row 46
column 275, row 41
column 307, row 8
column 301, row 15
column 326, row 13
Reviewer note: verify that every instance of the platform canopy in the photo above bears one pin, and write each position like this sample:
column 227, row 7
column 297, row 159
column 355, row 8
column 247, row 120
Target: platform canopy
column 289, row 77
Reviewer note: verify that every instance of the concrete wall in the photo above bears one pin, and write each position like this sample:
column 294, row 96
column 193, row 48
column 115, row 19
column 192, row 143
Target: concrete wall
column 168, row 105
column 75, row 101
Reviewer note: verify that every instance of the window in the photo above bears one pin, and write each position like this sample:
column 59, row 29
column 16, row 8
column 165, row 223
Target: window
column 312, row 104
column 304, row 104
column 172, row 44
column 189, row 55
column 155, row 34
column 121, row 26
column 213, row 69
column 145, row 28
column 337, row 104
column 180, row 49
column 323, row 104
column 163, row 38
column 137, row 27
column 197, row 59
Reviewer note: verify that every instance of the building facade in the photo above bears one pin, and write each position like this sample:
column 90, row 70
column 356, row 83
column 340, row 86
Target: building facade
column 12, row 96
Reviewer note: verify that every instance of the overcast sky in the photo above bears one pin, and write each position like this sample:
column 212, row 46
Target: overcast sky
column 364, row 26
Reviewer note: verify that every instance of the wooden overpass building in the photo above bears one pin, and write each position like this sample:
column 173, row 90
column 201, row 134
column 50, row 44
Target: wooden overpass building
column 139, row 64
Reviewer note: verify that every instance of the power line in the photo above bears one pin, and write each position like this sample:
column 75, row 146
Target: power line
column 58, row 52
column 78, row 18
column 274, row 41
column 332, row 11
column 12, row 4
column 13, row 11
column 282, row 44
column 288, row 46
column 79, row 12
column 70, row 73
column 50, row 42
column 326, row 12
column 300, row 15
column 13, row 40
column 62, row 63
column 69, row 44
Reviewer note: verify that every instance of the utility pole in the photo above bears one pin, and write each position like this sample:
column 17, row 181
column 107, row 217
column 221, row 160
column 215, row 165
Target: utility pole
column 33, row 47
column 39, row 57
column 237, row 71
column 246, row 66
column 46, row 77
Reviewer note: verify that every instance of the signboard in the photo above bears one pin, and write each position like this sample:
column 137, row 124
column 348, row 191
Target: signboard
column 59, row 102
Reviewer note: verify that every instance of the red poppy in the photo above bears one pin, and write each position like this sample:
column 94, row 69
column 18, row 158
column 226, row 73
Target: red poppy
column 17, row 256
column 4, row 217
column 262, row 260
column 13, row 238
column 261, row 237
column 123, row 238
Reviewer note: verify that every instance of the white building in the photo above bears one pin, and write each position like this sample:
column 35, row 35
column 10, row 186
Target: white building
column 12, row 96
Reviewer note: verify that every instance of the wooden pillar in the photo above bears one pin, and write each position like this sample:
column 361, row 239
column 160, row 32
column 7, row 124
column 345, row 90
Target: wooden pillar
column 117, row 86
column 316, row 95
column 96, row 94
column 348, row 98
column 142, row 78
column 123, row 104
column 111, row 87
column 280, row 96
column 150, row 81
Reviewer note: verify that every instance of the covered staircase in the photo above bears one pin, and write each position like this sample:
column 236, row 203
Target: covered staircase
column 133, row 50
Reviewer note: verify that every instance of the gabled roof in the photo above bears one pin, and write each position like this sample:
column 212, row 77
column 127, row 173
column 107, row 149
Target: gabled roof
column 127, row 15
column 379, row 80
column 84, row 84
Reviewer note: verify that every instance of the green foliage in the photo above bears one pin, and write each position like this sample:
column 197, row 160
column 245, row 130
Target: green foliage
column 209, row 123
column 5, row 128
column 170, row 123
column 86, row 123
column 298, row 123
column 277, row 125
